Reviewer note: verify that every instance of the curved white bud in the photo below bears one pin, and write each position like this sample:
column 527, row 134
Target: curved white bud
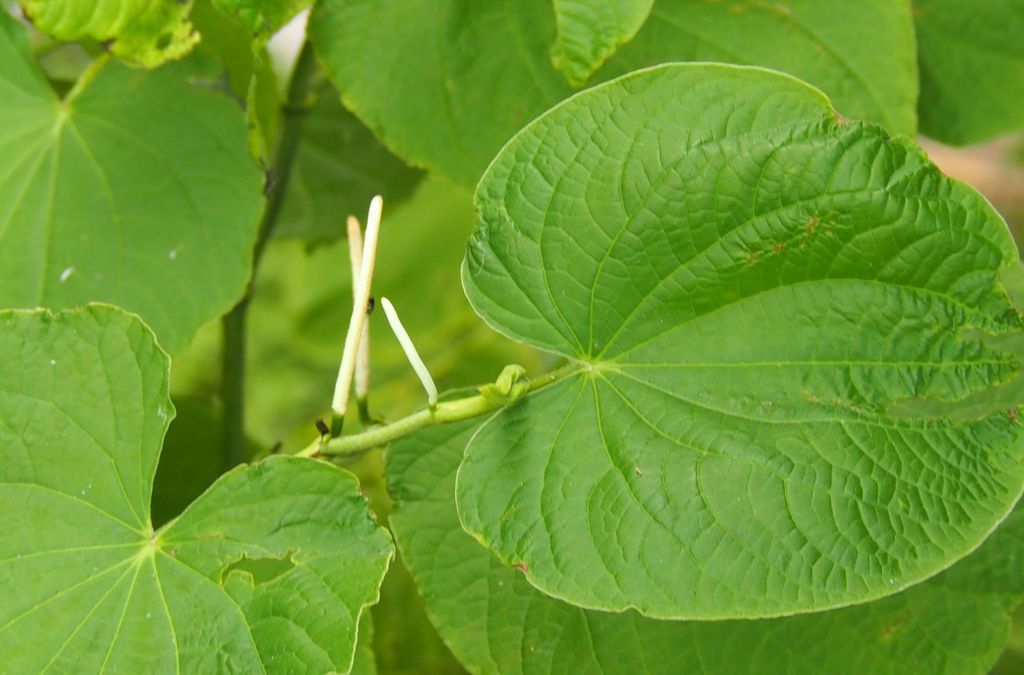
column 410, row 351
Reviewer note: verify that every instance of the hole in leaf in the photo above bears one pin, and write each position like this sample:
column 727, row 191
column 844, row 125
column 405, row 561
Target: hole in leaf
column 262, row 570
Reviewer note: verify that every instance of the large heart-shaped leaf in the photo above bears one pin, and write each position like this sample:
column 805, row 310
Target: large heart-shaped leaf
column 268, row 571
column 589, row 31
column 495, row 622
column 468, row 75
column 972, row 68
column 754, row 293
column 146, row 32
column 138, row 192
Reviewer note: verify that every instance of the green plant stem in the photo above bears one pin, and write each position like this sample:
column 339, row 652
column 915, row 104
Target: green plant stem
column 233, row 337
column 443, row 413
column 233, row 384
column 294, row 111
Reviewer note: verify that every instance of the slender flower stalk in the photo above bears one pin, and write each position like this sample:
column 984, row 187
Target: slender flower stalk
column 410, row 351
column 361, row 298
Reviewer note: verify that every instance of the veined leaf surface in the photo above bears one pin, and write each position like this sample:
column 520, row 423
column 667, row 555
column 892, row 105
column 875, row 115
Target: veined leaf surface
column 143, row 32
column 751, row 287
column 138, row 191
column 495, row 622
column 268, row 571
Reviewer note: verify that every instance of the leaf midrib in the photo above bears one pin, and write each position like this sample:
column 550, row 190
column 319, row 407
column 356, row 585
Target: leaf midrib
column 986, row 324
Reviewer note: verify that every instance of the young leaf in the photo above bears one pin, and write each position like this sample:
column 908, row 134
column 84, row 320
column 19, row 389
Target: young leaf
column 136, row 191
column 269, row 570
column 469, row 75
column 751, row 288
column 143, row 32
column 340, row 166
column 972, row 68
column 589, row 31
column 954, row 624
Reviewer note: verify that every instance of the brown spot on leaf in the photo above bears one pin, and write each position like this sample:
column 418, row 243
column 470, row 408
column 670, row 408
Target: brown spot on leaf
column 210, row 536
column 521, row 566
column 891, row 629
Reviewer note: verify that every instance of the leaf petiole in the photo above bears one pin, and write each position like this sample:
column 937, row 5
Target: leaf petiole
column 87, row 76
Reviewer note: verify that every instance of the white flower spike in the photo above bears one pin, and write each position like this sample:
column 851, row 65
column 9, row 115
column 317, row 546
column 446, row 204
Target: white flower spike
column 355, row 252
column 361, row 298
column 410, row 351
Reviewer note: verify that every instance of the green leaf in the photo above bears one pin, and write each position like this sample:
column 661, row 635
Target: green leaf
column 143, row 32
column 269, row 570
column 340, row 166
column 469, row 75
column 972, row 68
column 1011, row 661
column 262, row 17
column 136, row 191
column 404, row 640
column 495, row 622
column 749, row 287
column 249, row 72
column 589, row 32
column 819, row 41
